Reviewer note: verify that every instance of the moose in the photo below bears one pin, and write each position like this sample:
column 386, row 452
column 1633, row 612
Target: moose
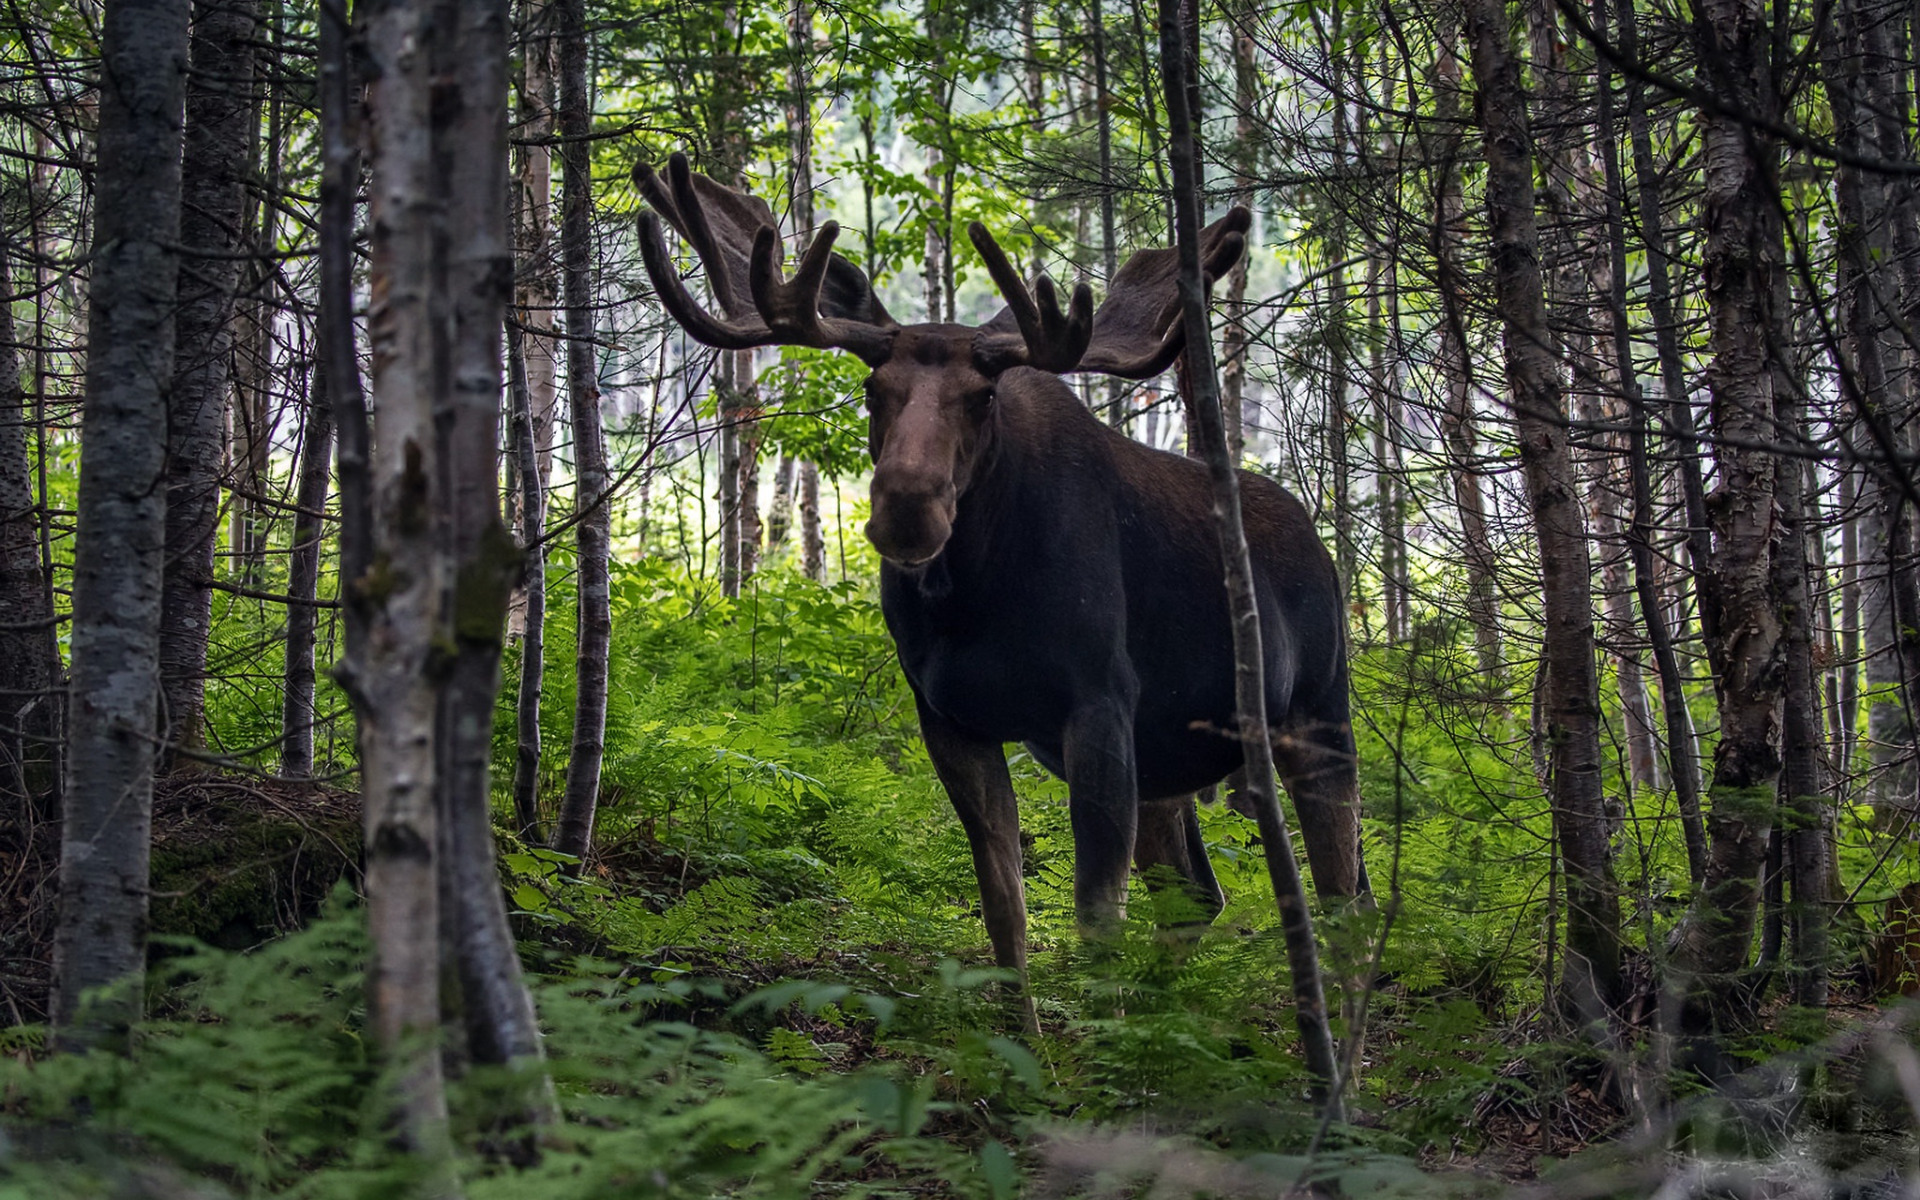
column 1046, row 579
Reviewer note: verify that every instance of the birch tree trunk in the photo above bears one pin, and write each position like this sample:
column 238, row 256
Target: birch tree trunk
column 1117, row 414
column 593, row 531
column 1571, row 703
column 532, row 508
column 780, row 511
column 220, row 127
column 101, row 935
column 391, row 667
column 813, row 545
column 536, row 298
column 813, row 541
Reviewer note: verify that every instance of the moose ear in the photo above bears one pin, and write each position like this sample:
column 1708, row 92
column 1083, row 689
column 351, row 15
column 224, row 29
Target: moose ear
column 848, row 294
column 1137, row 333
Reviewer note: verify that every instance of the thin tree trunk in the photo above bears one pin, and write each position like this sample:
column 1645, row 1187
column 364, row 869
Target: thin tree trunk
column 485, row 562
column 533, row 586
column 727, row 409
column 1457, row 419
column 806, row 475
column 1233, row 346
column 1309, row 1002
column 813, row 541
column 340, row 165
column 1386, row 482
column 220, row 127
column 1680, row 430
column 1339, row 357
column 1683, row 768
column 29, row 654
column 1803, row 777
column 253, row 411
column 101, row 935
column 594, row 529
column 1847, row 728
column 1117, row 415
column 1861, row 83
column 1571, row 705
column 303, row 581
column 391, row 668
column 536, row 295
column 780, row 511
column 748, row 491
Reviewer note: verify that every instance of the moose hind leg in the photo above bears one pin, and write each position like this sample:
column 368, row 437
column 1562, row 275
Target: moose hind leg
column 1101, row 800
column 1169, row 836
column 974, row 773
column 1317, row 763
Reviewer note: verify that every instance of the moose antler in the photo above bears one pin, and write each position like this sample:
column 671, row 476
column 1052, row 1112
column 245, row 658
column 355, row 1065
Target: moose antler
column 1141, row 309
column 828, row 304
column 1049, row 339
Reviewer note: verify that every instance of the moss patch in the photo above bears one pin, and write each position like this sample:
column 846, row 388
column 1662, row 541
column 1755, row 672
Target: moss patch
column 238, row 860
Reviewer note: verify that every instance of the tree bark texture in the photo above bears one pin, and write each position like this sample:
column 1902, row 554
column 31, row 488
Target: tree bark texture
column 392, row 664
column 1310, row 1008
column 100, row 938
column 1571, row 702
column 780, row 510
column 340, row 129
column 1742, row 241
column 593, row 530
column 220, row 133
column 813, row 541
column 471, row 143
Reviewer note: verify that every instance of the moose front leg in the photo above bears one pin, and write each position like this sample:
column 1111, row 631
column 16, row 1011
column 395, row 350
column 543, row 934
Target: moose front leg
column 1101, row 800
column 974, row 773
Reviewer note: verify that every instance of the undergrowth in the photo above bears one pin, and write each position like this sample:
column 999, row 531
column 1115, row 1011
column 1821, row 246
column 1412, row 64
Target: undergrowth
column 773, row 978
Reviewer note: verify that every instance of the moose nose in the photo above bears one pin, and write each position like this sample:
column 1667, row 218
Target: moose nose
column 912, row 516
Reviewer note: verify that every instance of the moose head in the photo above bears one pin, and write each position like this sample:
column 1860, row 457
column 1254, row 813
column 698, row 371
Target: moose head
column 931, row 394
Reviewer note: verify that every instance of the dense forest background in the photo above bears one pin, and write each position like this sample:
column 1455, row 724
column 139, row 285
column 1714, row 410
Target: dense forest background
column 448, row 739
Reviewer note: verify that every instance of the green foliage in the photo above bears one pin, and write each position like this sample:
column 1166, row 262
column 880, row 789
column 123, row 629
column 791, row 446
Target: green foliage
column 257, row 1077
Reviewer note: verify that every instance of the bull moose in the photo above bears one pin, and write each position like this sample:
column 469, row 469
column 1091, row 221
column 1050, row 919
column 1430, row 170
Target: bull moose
column 1046, row 579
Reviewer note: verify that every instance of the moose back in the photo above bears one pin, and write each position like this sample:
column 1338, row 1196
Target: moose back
column 1046, row 579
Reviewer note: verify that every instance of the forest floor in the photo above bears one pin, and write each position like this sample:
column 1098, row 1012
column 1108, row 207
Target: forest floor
column 782, row 915
column 1493, row 1101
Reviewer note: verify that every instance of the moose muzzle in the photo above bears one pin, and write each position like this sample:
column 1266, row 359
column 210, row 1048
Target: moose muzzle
column 912, row 515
